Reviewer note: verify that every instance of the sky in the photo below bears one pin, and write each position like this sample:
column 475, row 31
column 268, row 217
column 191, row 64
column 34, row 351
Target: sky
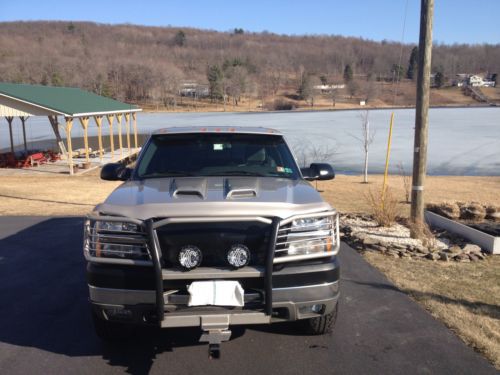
column 455, row 21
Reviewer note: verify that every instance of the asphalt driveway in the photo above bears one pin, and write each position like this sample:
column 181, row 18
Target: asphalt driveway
column 45, row 326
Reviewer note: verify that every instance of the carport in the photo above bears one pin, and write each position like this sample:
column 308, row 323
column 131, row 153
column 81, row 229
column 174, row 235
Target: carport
column 24, row 101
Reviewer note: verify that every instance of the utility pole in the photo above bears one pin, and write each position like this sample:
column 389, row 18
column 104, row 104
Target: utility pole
column 421, row 117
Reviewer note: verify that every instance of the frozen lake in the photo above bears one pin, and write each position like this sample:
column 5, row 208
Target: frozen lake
column 462, row 141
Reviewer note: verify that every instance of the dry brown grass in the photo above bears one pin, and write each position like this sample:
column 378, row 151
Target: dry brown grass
column 52, row 195
column 346, row 193
column 465, row 296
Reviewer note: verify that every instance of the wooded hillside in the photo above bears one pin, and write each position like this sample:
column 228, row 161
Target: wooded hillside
column 149, row 64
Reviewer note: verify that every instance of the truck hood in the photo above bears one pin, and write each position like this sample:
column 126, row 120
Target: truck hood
column 213, row 196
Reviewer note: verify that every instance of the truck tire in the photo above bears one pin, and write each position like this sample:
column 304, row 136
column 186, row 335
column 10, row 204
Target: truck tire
column 322, row 324
column 110, row 331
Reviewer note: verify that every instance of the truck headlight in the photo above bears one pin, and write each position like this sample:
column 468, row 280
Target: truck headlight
column 309, row 236
column 115, row 240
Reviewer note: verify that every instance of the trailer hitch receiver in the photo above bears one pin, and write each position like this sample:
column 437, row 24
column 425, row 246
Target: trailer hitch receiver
column 215, row 331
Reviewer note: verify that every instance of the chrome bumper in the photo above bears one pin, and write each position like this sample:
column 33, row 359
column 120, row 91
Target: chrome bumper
column 295, row 300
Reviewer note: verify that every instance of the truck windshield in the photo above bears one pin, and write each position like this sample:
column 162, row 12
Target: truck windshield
column 208, row 154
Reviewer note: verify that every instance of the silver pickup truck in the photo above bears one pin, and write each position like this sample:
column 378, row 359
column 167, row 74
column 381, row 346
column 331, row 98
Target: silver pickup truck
column 213, row 227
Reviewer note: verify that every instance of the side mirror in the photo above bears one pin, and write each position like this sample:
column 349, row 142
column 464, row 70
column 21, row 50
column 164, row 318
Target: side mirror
column 115, row 172
column 318, row 171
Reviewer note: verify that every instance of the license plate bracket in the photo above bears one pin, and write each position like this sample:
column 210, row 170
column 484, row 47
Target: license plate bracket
column 216, row 293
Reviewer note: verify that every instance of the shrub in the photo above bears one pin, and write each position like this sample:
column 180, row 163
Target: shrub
column 384, row 207
column 283, row 105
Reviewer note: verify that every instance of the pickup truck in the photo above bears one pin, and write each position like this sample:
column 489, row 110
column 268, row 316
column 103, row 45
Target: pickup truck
column 213, row 227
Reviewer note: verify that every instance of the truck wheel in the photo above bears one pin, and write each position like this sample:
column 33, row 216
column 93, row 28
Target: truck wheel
column 110, row 331
column 322, row 324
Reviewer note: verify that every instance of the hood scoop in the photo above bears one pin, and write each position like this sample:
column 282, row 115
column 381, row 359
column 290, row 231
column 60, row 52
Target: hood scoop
column 241, row 188
column 189, row 187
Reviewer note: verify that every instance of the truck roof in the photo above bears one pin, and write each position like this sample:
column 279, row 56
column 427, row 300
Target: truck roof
column 217, row 129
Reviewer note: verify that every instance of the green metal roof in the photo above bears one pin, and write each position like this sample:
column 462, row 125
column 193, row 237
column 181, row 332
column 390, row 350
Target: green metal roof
column 67, row 101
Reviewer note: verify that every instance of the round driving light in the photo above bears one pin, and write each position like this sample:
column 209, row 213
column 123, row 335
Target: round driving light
column 238, row 256
column 190, row 257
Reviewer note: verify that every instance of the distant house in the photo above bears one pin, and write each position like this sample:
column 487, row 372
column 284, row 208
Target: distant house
column 194, row 90
column 329, row 88
column 475, row 81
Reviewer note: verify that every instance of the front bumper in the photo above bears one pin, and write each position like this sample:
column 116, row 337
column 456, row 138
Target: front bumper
column 137, row 306
column 299, row 291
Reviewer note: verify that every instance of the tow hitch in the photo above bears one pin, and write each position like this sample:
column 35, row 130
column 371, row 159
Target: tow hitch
column 215, row 331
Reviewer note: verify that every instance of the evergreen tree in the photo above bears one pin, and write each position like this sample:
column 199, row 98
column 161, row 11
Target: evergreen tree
column 348, row 73
column 180, row 38
column 215, row 84
column 411, row 73
column 439, row 79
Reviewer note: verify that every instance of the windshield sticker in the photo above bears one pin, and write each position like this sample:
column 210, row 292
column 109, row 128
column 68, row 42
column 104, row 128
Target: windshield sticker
column 218, row 146
column 288, row 170
column 280, row 169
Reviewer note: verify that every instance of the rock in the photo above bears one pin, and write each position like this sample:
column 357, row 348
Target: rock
column 393, row 253
column 380, row 248
column 432, row 256
column 449, row 210
column 360, row 236
column 454, row 250
column 444, row 256
column 471, row 248
column 370, row 241
column 398, row 246
column 493, row 213
column 421, row 249
column 480, row 256
column 404, row 254
column 472, row 211
column 473, row 257
column 462, row 258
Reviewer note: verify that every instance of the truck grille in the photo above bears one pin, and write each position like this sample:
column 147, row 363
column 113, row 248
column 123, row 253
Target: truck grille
column 214, row 240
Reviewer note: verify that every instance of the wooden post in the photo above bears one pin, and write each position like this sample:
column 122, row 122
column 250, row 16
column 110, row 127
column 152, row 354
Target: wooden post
column 55, row 126
column 127, row 119
column 421, row 117
column 98, row 121
column 69, row 125
column 119, row 118
column 23, row 120
column 9, row 120
column 134, row 117
column 85, row 124
column 111, row 140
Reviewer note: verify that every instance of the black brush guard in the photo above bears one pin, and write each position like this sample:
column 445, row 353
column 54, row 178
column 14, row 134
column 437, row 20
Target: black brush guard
column 156, row 256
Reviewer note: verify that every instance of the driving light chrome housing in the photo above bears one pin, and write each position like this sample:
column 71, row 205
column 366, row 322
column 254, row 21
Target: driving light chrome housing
column 307, row 236
column 238, row 256
column 190, row 257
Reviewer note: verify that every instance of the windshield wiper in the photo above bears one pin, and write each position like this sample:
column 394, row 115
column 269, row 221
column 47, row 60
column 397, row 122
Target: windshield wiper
column 238, row 173
column 167, row 174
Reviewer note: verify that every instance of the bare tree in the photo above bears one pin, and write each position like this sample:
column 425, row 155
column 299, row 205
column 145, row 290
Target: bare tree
column 309, row 152
column 366, row 140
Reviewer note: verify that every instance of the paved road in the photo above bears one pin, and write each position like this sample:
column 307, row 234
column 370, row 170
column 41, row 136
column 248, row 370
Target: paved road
column 45, row 327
